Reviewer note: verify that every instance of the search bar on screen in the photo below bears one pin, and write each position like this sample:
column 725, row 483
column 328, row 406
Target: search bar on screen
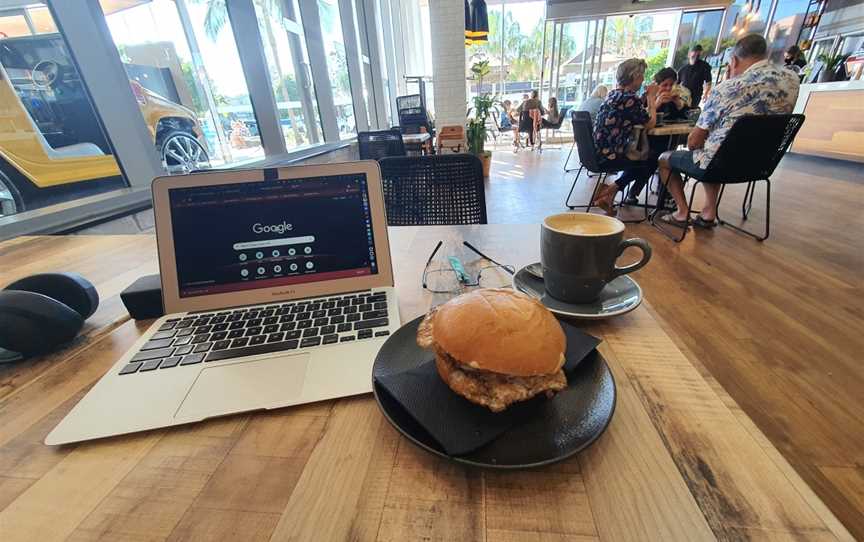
column 275, row 242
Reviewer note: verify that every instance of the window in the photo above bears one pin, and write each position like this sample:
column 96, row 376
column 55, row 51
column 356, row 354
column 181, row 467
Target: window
column 337, row 66
column 785, row 26
column 53, row 146
column 744, row 17
column 188, row 80
column 640, row 36
column 697, row 27
column 387, row 65
column 368, row 103
column 288, row 63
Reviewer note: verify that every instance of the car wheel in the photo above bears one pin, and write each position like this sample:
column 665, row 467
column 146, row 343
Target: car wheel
column 10, row 199
column 182, row 153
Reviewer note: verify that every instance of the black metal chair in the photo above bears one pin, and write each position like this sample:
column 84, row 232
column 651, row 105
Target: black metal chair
column 380, row 144
column 584, row 142
column 573, row 145
column 750, row 152
column 429, row 190
column 413, row 115
column 562, row 114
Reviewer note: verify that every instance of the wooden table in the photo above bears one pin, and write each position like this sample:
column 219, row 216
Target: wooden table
column 675, row 129
column 679, row 461
column 422, row 141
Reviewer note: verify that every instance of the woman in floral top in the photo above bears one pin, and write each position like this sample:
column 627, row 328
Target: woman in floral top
column 620, row 112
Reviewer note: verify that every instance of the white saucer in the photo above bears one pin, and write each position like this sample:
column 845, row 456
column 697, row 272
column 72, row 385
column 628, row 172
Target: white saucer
column 619, row 296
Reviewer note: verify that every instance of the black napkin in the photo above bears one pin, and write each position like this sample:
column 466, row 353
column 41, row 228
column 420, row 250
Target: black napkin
column 457, row 424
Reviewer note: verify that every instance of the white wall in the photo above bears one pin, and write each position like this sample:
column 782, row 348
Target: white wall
column 447, row 21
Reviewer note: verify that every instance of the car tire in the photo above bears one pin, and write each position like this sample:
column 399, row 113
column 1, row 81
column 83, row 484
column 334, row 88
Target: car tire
column 181, row 152
column 11, row 200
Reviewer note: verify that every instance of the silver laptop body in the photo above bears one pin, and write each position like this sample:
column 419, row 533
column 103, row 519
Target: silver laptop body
column 278, row 290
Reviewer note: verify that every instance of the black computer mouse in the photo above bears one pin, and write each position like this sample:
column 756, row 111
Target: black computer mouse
column 31, row 323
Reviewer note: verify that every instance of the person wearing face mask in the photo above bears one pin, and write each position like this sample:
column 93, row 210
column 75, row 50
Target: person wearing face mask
column 696, row 75
column 756, row 86
column 793, row 59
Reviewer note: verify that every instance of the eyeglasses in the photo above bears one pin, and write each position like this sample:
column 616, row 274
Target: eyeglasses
column 454, row 278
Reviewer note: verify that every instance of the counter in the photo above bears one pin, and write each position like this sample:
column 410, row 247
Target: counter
column 835, row 120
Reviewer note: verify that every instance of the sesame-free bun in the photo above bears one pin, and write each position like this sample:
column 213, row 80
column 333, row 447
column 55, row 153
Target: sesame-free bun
column 500, row 331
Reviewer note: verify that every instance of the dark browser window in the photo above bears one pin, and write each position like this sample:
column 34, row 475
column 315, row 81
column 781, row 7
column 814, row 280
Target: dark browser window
column 245, row 236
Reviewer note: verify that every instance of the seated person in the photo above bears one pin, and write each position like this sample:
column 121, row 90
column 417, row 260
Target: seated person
column 593, row 102
column 504, row 120
column 673, row 100
column 755, row 86
column 552, row 114
column 620, row 112
column 793, row 59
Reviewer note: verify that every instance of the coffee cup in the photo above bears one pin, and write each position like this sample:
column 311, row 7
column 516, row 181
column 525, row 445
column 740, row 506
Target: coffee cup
column 578, row 252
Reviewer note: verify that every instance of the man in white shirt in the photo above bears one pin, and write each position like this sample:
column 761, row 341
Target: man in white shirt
column 756, row 86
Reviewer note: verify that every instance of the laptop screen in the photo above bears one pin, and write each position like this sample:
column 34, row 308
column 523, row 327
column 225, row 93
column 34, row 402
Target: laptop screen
column 244, row 236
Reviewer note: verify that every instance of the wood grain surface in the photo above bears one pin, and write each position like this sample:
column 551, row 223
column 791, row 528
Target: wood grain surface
column 680, row 460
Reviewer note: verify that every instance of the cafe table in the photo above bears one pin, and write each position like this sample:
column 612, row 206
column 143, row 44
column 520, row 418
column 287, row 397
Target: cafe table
column 421, row 141
column 679, row 460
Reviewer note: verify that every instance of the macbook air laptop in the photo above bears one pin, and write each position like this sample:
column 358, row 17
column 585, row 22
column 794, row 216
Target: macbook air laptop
column 278, row 290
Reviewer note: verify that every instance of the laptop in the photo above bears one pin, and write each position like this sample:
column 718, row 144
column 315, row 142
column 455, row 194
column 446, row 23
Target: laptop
column 278, row 290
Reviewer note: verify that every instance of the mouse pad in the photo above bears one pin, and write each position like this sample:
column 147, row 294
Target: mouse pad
column 246, row 385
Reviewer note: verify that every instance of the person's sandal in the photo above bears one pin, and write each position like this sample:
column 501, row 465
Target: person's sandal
column 700, row 222
column 668, row 218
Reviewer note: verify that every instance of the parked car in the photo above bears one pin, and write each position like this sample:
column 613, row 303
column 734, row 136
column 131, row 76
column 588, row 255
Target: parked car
column 51, row 144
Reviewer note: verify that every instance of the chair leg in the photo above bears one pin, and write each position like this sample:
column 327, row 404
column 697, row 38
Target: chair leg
column 597, row 184
column 572, row 187
column 567, row 161
column 654, row 216
column 767, row 213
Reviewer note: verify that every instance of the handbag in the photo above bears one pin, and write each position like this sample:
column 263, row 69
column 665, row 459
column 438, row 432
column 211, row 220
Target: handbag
column 637, row 149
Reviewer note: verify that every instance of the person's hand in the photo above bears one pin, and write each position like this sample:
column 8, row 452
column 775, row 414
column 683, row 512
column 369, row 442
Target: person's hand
column 664, row 98
column 652, row 90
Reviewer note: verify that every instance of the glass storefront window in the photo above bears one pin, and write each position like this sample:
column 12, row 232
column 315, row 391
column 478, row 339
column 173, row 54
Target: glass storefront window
column 188, row 80
column 645, row 36
column 744, row 17
column 697, row 27
column 337, row 66
column 785, row 25
column 52, row 147
column 288, row 63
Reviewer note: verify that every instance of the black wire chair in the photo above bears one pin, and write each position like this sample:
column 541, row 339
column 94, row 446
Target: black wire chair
column 380, row 144
column 584, row 142
column 750, row 152
column 573, row 145
column 413, row 115
column 427, row 190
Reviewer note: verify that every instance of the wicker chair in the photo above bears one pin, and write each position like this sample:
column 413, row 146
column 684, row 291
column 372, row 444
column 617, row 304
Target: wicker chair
column 431, row 190
column 381, row 144
column 750, row 152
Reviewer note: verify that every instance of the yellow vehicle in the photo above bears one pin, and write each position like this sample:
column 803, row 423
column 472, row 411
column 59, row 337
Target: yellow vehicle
column 52, row 147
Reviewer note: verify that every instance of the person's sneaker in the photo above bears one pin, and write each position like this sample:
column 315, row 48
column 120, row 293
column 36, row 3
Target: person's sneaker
column 700, row 222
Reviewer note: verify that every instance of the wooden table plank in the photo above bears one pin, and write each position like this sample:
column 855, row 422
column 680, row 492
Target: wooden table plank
column 680, row 461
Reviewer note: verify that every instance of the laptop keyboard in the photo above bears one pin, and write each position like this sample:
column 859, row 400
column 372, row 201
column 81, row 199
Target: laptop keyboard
column 217, row 336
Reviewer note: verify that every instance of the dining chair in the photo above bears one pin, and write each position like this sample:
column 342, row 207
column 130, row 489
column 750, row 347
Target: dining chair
column 750, row 153
column 589, row 161
column 380, row 144
column 434, row 190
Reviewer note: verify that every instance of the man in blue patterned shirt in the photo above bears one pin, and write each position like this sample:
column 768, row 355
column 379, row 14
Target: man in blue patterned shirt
column 756, row 86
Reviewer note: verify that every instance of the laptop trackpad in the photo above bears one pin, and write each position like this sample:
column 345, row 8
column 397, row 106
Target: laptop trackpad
column 247, row 385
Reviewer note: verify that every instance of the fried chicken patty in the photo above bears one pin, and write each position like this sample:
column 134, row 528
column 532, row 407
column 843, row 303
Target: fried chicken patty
column 492, row 390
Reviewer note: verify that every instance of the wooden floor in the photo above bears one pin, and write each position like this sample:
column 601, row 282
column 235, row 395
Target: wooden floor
column 779, row 324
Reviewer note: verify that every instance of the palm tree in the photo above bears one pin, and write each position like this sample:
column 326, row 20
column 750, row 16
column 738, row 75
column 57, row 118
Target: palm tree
column 214, row 21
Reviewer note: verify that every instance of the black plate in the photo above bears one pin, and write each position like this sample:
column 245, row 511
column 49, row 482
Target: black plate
column 566, row 424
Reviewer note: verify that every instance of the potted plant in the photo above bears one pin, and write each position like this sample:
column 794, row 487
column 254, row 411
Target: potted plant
column 830, row 63
column 476, row 132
